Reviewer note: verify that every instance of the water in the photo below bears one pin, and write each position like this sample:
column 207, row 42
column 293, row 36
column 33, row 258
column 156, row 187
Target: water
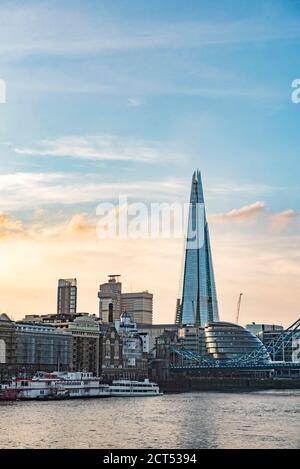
column 268, row 419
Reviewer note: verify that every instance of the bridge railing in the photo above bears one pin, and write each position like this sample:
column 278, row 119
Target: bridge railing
column 259, row 357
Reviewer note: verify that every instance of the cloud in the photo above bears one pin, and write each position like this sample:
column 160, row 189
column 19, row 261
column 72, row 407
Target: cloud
column 246, row 213
column 79, row 224
column 27, row 190
column 263, row 265
column 35, row 30
column 228, row 188
column 10, row 227
column 134, row 102
column 107, row 82
column 282, row 219
column 277, row 221
column 101, row 148
column 25, row 31
column 72, row 227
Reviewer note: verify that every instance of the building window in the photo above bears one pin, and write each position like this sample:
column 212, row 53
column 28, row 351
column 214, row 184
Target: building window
column 107, row 348
column 2, row 351
column 117, row 349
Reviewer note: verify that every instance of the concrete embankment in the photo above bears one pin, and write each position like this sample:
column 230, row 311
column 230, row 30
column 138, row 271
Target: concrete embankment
column 226, row 384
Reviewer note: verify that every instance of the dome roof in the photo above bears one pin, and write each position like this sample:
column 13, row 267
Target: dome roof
column 227, row 341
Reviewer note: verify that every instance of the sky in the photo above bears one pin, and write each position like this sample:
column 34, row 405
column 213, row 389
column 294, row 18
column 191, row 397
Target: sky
column 130, row 97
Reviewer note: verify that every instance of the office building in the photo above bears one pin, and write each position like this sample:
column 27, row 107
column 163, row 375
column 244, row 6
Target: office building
column 85, row 345
column 199, row 299
column 192, row 338
column 178, row 311
column 110, row 299
column 260, row 328
column 85, row 331
column 139, row 306
column 67, row 296
column 283, row 346
column 42, row 348
column 226, row 341
column 154, row 331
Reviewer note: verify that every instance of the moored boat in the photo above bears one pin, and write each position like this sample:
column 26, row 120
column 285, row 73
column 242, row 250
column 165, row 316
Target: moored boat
column 8, row 392
column 129, row 388
column 56, row 385
column 66, row 385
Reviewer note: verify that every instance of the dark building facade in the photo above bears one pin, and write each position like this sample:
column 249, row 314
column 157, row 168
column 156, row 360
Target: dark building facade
column 122, row 351
column 163, row 354
column 85, row 345
column 110, row 353
column 7, row 346
column 42, row 348
column 85, row 333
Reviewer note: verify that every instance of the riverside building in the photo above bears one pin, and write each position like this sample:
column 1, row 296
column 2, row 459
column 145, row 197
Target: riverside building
column 7, row 345
column 42, row 347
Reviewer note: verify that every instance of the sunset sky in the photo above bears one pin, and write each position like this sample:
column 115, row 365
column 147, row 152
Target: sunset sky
column 128, row 98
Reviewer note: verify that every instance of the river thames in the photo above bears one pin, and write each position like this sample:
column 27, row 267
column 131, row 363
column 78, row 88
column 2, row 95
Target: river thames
column 269, row 419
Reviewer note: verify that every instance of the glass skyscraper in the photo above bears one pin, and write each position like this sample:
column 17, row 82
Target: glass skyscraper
column 199, row 299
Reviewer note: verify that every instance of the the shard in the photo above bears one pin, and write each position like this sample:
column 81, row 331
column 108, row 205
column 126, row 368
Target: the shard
column 199, row 299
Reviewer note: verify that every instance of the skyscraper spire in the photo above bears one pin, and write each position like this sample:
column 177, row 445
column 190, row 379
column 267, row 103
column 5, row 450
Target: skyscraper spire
column 199, row 299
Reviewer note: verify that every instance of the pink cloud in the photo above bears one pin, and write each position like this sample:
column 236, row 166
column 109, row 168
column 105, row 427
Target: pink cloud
column 241, row 214
column 282, row 219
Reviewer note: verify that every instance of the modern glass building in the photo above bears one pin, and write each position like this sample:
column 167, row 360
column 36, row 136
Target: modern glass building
column 199, row 299
column 227, row 341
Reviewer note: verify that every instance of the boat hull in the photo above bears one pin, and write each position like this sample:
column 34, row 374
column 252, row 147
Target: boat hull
column 127, row 394
column 8, row 395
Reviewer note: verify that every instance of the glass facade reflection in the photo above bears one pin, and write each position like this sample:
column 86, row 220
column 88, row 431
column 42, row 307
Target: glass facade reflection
column 199, row 299
column 225, row 341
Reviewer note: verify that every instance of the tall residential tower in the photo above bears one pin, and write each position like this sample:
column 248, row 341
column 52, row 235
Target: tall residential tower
column 67, row 296
column 199, row 299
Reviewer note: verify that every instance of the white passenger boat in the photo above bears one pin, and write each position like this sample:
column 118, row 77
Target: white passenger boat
column 56, row 385
column 66, row 385
column 128, row 388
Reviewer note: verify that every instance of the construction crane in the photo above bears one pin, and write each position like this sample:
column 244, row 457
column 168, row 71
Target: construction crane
column 238, row 308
